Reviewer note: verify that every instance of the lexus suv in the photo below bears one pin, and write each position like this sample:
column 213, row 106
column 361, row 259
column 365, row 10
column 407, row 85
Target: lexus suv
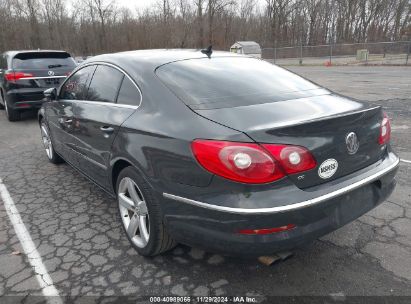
column 24, row 75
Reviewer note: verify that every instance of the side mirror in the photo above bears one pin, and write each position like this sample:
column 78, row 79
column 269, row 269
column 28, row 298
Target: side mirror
column 50, row 94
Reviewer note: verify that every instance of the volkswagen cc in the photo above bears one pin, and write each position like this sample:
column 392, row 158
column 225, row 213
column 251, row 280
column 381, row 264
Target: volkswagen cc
column 220, row 151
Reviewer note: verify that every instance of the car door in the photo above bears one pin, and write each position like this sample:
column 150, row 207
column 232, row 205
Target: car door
column 60, row 113
column 99, row 119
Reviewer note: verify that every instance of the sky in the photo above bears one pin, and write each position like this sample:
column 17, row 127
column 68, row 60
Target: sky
column 141, row 5
column 132, row 4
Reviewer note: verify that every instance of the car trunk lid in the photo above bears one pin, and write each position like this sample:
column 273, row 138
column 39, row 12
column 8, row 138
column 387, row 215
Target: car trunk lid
column 319, row 123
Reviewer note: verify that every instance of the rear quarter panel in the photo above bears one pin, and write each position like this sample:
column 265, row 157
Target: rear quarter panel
column 157, row 138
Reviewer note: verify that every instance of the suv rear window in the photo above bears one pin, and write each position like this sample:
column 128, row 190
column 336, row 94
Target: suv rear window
column 224, row 82
column 43, row 60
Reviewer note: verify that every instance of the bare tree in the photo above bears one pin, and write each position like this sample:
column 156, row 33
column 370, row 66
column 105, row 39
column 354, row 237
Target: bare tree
column 200, row 22
column 96, row 26
column 215, row 7
column 100, row 12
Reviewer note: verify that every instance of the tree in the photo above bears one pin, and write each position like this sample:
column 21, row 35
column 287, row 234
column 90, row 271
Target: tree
column 89, row 27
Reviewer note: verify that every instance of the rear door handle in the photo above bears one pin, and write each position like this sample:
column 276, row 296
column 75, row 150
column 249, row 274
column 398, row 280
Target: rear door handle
column 107, row 129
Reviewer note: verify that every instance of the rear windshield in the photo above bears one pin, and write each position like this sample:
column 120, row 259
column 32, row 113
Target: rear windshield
column 223, row 82
column 43, row 60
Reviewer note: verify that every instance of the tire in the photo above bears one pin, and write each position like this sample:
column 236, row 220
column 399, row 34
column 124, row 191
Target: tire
column 48, row 144
column 146, row 218
column 12, row 115
column 2, row 100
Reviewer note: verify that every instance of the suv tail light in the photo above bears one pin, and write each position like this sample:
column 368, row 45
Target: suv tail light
column 249, row 162
column 385, row 130
column 14, row 76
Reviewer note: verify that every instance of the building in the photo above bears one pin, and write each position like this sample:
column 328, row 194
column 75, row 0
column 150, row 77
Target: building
column 251, row 48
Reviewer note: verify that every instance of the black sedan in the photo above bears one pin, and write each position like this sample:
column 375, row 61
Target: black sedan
column 219, row 151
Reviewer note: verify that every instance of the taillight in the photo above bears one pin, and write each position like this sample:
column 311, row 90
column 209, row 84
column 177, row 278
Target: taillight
column 251, row 163
column 293, row 159
column 385, row 130
column 241, row 162
column 14, row 76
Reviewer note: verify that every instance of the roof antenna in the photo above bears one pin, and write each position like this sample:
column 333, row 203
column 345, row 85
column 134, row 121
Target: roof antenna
column 208, row 51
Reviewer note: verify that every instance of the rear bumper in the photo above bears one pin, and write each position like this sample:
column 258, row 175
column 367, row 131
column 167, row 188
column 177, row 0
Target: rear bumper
column 215, row 227
column 23, row 100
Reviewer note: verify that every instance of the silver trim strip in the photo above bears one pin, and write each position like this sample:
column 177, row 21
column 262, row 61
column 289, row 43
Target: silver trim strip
column 290, row 207
column 46, row 77
column 102, row 103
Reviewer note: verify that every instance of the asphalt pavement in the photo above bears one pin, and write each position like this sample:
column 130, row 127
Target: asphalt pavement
column 76, row 231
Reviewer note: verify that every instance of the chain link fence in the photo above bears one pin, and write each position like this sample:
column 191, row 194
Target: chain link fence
column 374, row 53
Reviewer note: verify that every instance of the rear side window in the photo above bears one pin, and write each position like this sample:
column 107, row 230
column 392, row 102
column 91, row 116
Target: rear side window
column 128, row 94
column 75, row 88
column 105, row 84
column 43, row 60
column 232, row 81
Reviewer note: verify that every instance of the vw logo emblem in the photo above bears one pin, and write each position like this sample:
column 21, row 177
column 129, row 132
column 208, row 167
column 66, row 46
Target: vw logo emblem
column 51, row 73
column 352, row 143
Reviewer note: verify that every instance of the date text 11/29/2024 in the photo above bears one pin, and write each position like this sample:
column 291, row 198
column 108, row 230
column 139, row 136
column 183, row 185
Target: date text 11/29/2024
column 204, row 299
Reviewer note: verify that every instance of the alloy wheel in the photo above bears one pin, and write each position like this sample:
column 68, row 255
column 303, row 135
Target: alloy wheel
column 133, row 212
column 46, row 141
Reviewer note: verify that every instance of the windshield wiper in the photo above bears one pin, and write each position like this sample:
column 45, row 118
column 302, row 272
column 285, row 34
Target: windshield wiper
column 51, row 66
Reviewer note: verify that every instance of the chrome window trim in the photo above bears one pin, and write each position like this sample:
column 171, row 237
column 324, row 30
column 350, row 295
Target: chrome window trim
column 290, row 207
column 102, row 102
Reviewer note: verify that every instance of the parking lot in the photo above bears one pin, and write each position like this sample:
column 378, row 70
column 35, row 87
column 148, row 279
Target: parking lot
column 76, row 230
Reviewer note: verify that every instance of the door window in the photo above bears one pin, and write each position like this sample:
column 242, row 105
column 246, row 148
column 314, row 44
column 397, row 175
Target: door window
column 128, row 94
column 105, row 84
column 75, row 88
